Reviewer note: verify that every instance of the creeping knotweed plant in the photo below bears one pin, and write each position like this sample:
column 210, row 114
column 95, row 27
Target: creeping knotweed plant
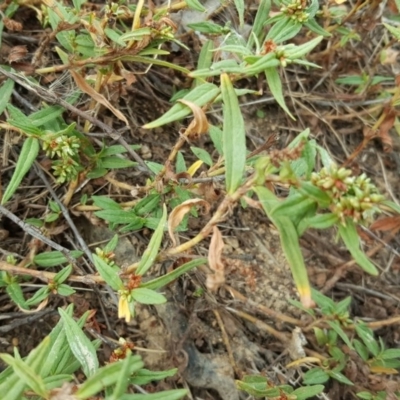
column 353, row 197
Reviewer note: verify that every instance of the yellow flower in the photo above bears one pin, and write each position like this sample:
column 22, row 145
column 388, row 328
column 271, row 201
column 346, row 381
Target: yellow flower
column 123, row 308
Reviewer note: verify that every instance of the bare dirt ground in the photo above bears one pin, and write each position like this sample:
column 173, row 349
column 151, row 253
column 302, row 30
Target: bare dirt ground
column 247, row 326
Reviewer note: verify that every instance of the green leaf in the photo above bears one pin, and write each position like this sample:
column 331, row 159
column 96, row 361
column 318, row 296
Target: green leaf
column 275, row 85
column 326, row 304
column 200, row 96
column 163, row 280
column 300, row 51
column 312, row 25
column 111, row 245
column 147, row 204
column 147, row 296
column 258, row 24
column 208, row 27
column 180, row 165
column 216, row 137
column 108, row 273
column 46, row 115
column 389, row 354
column 320, row 221
column 338, row 329
column 351, row 239
column 284, row 29
column 29, row 152
column 107, row 376
column 165, row 395
column 306, row 392
column 80, row 345
column 202, row 155
column 39, row 296
column 106, row 203
column 15, row 292
column 21, row 121
column 151, row 251
column 239, row 4
column 115, row 162
column 361, row 349
column 27, row 375
column 264, row 62
column 340, row 377
column 234, row 136
column 65, row 290
column 63, row 275
column 290, row 245
column 122, row 382
column 367, row 336
column 315, row 376
column 394, row 31
column 293, row 206
column 119, row 216
column 5, row 93
column 144, row 376
column 195, row 5
column 54, row 258
column 56, row 381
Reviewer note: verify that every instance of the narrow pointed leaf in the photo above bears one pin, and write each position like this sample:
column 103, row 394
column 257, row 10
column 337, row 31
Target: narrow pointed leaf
column 290, row 245
column 352, row 241
column 233, row 136
column 151, row 252
column 200, row 96
column 26, row 374
column 171, row 276
column 107, row 376
column 147, row 296
column 80, row 345
column 275, row 85
column 29, row 152
column 108, row 273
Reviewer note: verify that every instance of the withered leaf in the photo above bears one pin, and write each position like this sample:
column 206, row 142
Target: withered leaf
column 215, row 280
column 177, row 214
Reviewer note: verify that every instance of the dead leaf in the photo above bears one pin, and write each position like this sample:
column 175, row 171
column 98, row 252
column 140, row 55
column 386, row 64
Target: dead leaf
column 387, row 224
column 215, row 280
column 85, row 87
column 386, row 125
column 199, row 125
column 17, row 53
column 12, row 25
column 177, row 214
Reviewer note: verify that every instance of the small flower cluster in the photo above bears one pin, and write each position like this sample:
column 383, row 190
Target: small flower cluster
column 352, row 197
column 66, row 149
column 295, row 10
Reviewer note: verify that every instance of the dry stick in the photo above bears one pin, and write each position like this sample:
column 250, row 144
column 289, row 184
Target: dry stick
column 33, row 231
column 227, row 344
column 54, row 99
column 261, row 325
column 46, row 276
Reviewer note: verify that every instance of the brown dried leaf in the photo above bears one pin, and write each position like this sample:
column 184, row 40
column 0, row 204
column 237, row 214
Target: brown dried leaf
column 17, row 53
column 384, row 129
column 215, row 280
column 177, row 214
column 12, row 25
column 387, row 224
column 199, row 125
column 85, row 87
